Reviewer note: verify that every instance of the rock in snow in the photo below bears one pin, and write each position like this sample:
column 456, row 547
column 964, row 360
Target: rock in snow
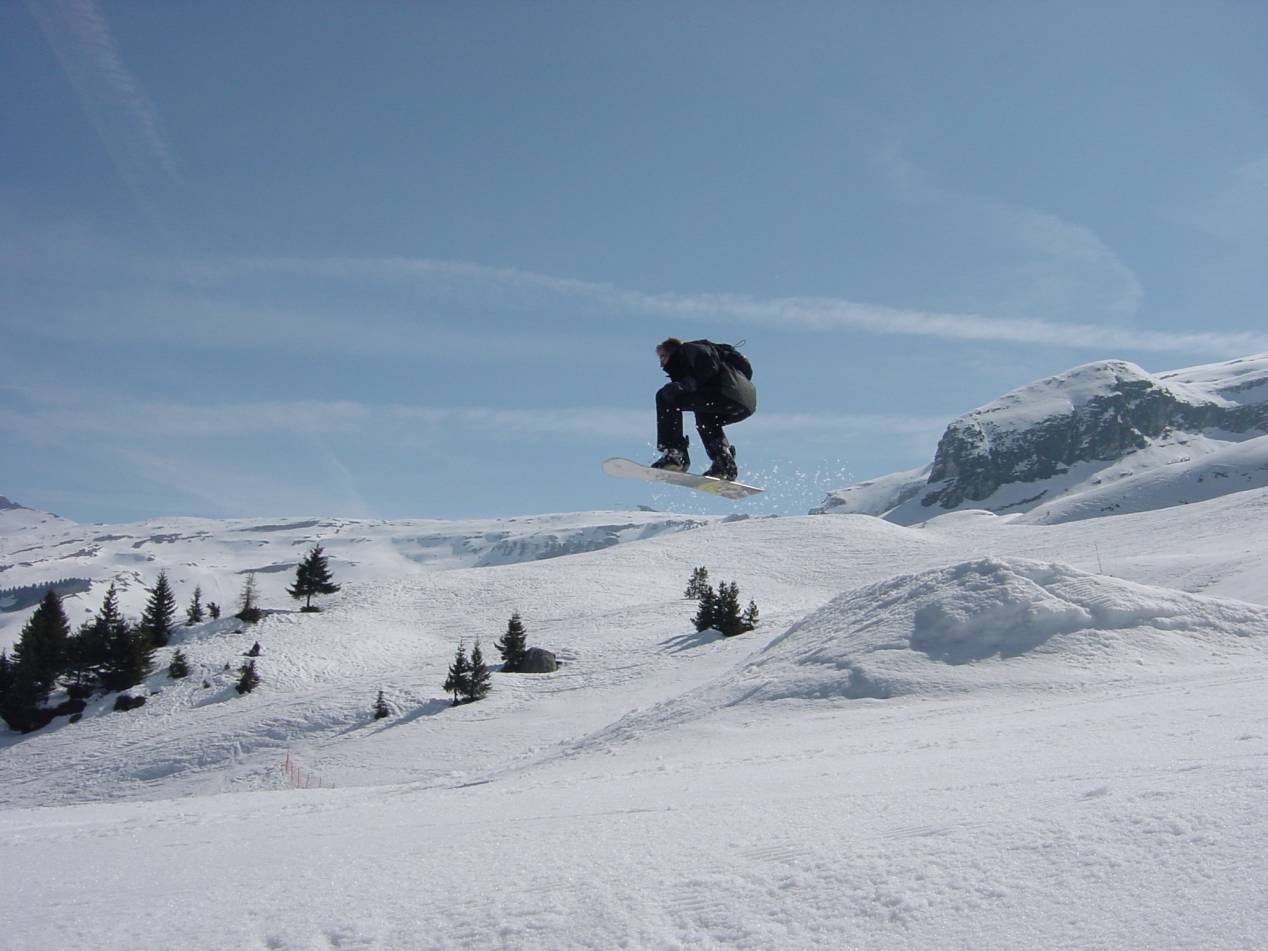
column 538, row 660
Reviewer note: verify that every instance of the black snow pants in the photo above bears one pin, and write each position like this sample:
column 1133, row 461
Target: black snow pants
column 713, row 411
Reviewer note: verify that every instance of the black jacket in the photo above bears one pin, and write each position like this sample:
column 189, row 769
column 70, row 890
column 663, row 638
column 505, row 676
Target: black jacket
column 698, row 366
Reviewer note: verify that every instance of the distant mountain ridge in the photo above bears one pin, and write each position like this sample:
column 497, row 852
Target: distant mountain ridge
column 1103, row 438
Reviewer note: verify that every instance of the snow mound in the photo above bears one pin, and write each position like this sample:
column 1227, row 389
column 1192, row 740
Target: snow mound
column 995, row 622
column 987, row 624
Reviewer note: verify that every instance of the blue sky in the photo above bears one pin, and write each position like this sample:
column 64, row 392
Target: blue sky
column 412, row 259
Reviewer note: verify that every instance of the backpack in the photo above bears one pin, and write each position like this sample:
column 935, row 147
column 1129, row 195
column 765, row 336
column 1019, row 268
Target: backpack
column 734, row 359
column 731, row 357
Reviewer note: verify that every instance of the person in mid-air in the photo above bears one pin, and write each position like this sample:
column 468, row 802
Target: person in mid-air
column 709, row 380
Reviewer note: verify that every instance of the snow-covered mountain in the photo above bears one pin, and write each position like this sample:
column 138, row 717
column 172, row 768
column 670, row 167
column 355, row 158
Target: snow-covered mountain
column 1100, row 439
column 16, row 519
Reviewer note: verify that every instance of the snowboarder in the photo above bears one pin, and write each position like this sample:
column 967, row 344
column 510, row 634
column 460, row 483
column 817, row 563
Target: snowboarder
column 712, row 380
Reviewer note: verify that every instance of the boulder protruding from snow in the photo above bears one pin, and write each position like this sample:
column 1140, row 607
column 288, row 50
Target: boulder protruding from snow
column 538, row 660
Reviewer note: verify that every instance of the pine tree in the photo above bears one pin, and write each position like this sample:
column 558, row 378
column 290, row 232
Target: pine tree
column 248, row 679
column 705, row 619
column 89, row 650
column 179, row 667
column 214, row 610
column 750, row 616
column 194, row 613
column 478, row 681
column 381, row 708
column 459, row 679
column 513, row 644
column 698, row 584
column 80, row 672
column 41, row 649
column 726, row 616
column 159, row 614
column 129, row 657
column 22, row 699
column 20, row 695
column 250, row 611
column 312, row 576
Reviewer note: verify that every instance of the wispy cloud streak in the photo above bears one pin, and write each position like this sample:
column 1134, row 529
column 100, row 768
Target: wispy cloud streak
column 819, row 314
column 332, row 418
column 1027, row 260
column 114, row 99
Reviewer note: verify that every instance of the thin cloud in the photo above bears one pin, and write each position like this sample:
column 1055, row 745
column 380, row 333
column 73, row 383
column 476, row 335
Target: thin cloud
column 1237, row 210
column 164, row 421
column 114, row 99
column 1035, row 262
column 819, row 314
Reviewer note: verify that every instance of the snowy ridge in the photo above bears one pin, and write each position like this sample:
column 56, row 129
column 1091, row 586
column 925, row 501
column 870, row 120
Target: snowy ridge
column 1099, row 439
column 16, row 519
column 215, row 554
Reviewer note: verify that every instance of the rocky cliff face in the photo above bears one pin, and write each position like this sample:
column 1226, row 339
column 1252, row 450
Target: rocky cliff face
column 1042, row 440
column 1127, row 409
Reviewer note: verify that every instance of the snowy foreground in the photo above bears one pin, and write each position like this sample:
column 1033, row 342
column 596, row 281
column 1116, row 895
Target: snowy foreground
column 975, row 733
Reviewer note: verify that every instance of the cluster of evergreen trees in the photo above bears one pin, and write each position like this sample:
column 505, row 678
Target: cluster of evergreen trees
column 111, row 653
column 469, row 678
column 108, row 653
column 720, row 610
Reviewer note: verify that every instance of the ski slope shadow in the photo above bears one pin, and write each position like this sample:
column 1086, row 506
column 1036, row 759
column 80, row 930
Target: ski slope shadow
column 691, row 640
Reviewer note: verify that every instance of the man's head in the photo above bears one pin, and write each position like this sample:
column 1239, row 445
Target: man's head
column 665, row 349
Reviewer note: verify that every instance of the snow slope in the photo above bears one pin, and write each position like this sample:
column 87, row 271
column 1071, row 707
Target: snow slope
column 978, row 732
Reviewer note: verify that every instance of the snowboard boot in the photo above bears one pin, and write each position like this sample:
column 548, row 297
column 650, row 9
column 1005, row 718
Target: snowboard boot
column 674, row 460
column 723, row 456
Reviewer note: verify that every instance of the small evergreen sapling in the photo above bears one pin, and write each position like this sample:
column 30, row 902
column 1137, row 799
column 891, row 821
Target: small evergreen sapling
column 381, row 710
column 478, row 681
column 459, row 680
column 698, row 584
column 750, row 616
column 312, row 576
column 248, row 678
column 513, row 644
column 179, row 667
column 726, row 617
column 250, row 610
column 214, row 610
column 194, row 614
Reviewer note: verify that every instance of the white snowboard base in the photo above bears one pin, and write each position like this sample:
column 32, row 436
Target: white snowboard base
column 628, row 469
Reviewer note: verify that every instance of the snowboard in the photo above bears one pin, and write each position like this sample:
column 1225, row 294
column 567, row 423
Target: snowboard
column 628, row 469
